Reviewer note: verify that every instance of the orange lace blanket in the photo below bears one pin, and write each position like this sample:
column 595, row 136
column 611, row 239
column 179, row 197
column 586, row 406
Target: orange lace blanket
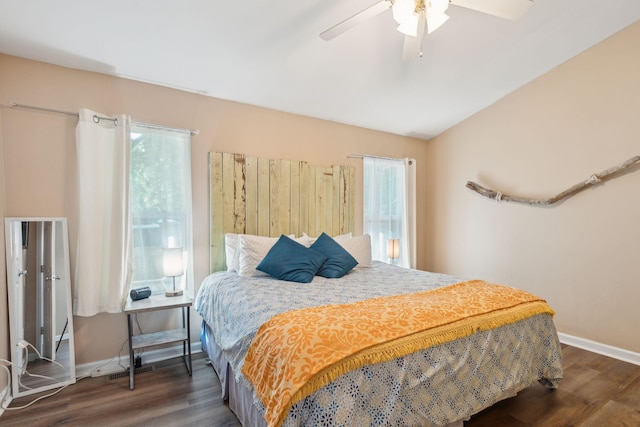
column 298, row 352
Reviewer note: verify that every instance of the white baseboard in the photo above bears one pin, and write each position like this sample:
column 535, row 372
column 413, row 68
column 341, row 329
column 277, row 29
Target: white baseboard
column 599, row 348
column 112, row 366
column 108, row 367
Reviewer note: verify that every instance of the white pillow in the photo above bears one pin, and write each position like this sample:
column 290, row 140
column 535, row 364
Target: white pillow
column 359, row 247
column 311, row 240
column 231, row 251
column 252, row 249
column 305, row 239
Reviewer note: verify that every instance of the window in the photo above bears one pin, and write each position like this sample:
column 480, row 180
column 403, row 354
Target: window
column 160, row 184
column 389, row 200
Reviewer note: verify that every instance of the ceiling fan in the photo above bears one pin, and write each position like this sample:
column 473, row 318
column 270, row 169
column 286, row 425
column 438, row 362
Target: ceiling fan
column 414, row 16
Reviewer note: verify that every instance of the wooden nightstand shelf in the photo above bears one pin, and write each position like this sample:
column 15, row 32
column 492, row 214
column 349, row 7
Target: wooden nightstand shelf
column 153, row 303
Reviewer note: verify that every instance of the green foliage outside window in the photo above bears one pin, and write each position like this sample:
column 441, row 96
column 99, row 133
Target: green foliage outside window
column 158, row 166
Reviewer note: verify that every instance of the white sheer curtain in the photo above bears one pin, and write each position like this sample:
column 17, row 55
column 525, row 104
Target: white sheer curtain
column 410, row 211
column 104, row 250
column 389, row 207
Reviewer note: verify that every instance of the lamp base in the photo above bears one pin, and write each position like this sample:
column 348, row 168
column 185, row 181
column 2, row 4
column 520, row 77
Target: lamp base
column 173, row 293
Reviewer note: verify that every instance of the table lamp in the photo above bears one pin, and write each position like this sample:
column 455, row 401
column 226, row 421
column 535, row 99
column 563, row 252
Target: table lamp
column 393, row 249
column 172, row 267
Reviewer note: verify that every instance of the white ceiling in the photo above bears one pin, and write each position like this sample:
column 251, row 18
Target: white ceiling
column 268, row 53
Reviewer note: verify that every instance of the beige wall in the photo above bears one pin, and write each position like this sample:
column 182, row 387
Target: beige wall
column 582, row 255
column 39, row 151
column 578, row 119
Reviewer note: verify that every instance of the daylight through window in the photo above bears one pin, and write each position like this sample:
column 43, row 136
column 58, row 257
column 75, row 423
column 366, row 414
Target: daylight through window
column 389, row 200
column 160, row 205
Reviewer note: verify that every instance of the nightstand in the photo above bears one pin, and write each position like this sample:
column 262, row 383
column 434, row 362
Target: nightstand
column 153, row 303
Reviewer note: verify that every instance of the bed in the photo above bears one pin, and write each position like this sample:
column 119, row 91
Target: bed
column 454, row 370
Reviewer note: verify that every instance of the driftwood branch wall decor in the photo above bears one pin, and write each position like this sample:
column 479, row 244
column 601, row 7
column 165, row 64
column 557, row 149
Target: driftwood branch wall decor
column 593, row 179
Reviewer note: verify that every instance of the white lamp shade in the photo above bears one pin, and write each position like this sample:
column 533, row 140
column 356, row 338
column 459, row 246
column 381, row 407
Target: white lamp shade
column 393, row 248
column 172, row 262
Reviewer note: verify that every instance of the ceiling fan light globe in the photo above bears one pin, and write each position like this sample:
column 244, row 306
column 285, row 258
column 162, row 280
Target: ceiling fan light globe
column 402, row 10
column 404, row 13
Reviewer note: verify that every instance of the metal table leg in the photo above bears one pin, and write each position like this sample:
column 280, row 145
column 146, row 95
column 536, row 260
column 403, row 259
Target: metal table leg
column 132, row 367
column 186, row 346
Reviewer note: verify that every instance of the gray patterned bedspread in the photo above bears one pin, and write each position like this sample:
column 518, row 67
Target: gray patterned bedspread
column 436, row 386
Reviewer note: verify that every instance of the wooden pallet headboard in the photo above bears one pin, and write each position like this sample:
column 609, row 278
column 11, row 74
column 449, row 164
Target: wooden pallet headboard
column 270, row 197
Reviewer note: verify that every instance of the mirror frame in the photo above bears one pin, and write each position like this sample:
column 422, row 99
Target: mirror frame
column 12, row 294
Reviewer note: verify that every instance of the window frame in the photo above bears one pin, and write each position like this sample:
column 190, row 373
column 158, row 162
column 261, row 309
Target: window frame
column 400, row 212
column 162, row 283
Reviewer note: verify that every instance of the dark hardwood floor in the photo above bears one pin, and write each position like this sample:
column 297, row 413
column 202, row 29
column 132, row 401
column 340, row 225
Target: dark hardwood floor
column 596, row 391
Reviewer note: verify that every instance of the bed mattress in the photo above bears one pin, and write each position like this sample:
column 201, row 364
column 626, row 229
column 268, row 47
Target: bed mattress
column 436, row 386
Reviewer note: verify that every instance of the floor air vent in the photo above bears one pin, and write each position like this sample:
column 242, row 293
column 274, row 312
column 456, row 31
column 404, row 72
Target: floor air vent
column 126, row 373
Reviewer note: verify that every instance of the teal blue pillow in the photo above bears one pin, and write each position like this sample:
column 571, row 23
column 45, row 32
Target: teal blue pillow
column 339, row 262
column 291, row 261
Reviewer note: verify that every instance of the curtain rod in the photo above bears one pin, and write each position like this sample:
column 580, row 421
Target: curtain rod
column 361, row 156
column 153, row 126
column 31, row 107
column 98, row 118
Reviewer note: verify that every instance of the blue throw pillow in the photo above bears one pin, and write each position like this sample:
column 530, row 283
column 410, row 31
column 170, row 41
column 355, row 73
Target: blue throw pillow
column 289, row 260
column 339, row 262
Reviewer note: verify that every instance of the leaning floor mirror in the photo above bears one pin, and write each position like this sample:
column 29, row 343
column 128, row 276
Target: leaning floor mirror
column 40, row 312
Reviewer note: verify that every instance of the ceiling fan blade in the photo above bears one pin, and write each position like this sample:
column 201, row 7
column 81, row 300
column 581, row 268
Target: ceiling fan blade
column 412, row 47
column 356, row 19
column 507, row 9
column 435, row 20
